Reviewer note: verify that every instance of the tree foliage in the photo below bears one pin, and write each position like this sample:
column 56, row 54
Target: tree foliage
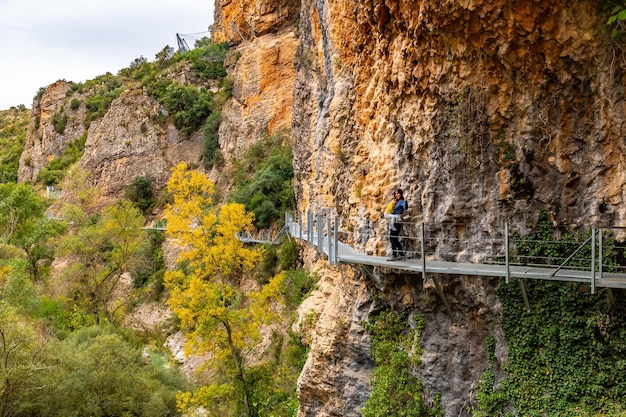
column 24, row 225
column 19, row 204
column 24, row 358
column 94, row 372
column 141, row 193
column 13, row 129
column 218, row 316
column 102, row 251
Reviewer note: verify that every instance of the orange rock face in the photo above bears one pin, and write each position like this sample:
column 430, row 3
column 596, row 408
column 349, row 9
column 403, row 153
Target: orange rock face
column 243, row 21
column 483, row 111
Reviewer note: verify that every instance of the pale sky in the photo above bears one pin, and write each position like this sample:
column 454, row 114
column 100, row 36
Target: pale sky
column 43, row 41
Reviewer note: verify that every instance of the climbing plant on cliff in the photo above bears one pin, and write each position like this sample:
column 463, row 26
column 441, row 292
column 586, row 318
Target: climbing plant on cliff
column 565, row 355
column 218, row 317
column 396, row 391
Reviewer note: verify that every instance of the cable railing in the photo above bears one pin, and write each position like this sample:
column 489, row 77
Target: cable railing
column 596, row 251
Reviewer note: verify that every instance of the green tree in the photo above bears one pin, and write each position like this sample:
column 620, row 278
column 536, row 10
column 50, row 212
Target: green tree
column 24, row 359
column 269, row 193
column 80, row 201
column 23, row 224
column 19, row 204
column 141, row 193
column 218, row 317
column 103, row 250
column 13, row 129
column 100, row 372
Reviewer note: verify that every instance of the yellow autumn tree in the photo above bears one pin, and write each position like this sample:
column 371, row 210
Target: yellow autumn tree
column 217, row 316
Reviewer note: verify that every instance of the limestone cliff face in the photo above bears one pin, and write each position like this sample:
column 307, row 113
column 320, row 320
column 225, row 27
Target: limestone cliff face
column 127, row 142
column 484, row 111
column 459, row 104
column 264, row 77
column 43, row 143
column 243, row 21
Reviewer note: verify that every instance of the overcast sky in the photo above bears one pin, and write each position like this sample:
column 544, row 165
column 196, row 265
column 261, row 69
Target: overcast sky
column 76, row 40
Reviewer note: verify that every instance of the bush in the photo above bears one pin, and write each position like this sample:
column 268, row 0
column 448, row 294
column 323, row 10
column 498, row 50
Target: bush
column 104, row 89
column 211, row 153
column 52, row 311
column 270, row 192
column 267, row 267
column 104, row 373
column 395, row 391
column 141, row 193
column 13, row 131
column 288, row 254
column 153, row 270
column 54, row 172
column 59, row 121
column 187, row 106
column 208, row 59
column 297, row 285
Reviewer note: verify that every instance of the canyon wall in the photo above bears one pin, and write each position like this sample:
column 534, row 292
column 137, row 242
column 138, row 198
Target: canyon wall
column 484, row 112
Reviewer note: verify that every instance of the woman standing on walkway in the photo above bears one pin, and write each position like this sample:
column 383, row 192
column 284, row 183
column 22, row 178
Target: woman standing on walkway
column 395, row 226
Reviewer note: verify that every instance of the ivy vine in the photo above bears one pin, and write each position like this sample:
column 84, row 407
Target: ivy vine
column 567, row 356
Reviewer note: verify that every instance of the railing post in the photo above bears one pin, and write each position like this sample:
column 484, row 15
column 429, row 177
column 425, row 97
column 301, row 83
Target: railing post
column 309, row 228
column 300, row 225
column 423, row 252
column 506, row 252
column 600, row 243
column 320, row 229
column 330, row 241
column 336, row 241
column 593, row 260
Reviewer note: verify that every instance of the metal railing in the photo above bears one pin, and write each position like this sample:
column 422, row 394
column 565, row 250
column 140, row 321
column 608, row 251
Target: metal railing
column 457, row 242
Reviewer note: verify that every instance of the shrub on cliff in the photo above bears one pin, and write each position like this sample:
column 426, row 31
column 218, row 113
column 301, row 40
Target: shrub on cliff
column 268, row 193
column 54, row 172
column 141, row 193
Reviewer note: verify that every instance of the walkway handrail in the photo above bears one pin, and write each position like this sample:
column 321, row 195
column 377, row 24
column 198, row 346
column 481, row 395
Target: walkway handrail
column 322, row 231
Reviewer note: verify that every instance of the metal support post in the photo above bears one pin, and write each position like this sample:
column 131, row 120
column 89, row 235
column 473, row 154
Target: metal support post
column 443, row 297
column 506, row 252
column 600, row 254
column 336, row 241
column 522, row 287
column 423, row 253
column 300, row 225
column 609, row 294
column 330, row 242
column 309, row 227
column 593, row 260
column 320, row 234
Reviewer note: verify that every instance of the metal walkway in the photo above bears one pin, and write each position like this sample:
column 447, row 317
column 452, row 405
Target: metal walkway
column 322, row 232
